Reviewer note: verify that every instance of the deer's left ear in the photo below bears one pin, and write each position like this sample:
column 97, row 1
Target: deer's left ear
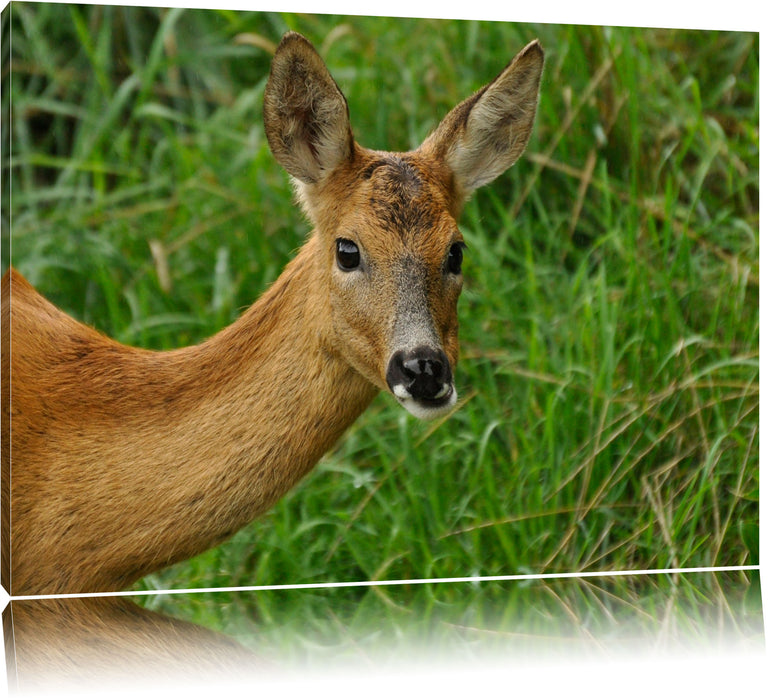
column 485, row 134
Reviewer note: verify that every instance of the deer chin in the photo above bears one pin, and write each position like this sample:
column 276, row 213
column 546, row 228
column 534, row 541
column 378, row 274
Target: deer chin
column 427, row 409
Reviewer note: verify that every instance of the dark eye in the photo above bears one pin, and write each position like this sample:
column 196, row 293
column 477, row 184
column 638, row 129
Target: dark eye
column 348, row 257
column 455, row 258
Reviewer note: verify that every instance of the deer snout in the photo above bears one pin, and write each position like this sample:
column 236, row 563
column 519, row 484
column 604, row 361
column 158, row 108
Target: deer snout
column 422, row 381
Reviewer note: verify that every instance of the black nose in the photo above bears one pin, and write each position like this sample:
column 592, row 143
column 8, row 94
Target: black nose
column 423, row 374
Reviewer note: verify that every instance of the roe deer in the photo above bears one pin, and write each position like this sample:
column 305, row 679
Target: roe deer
column 127, row 460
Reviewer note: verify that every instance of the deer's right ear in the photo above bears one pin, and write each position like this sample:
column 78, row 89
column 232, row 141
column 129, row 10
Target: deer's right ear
column 305, row 113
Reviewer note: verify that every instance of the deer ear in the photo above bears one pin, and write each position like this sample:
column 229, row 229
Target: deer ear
column 305, row 113
column 485, row 134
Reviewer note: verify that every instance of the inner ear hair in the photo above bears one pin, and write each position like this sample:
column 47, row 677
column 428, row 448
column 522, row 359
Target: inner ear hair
column 306, row 116
column 486, row 133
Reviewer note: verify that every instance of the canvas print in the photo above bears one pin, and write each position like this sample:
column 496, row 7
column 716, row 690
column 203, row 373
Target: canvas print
column 373, row 329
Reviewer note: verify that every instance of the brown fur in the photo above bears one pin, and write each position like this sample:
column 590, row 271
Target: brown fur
column 126, row 460
column 77, row 645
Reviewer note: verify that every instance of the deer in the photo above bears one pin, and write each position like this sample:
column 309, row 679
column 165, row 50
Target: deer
column 122, row 461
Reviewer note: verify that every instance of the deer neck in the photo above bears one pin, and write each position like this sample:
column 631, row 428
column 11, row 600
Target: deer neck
column 243, row 417
column 273, row 395
column 281, row 376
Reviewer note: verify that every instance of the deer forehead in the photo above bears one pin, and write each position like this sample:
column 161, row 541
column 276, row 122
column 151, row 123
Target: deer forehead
column 401, row 205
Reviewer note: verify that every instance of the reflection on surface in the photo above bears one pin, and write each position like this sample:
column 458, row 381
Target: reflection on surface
column 222, row 636
column 87, row 643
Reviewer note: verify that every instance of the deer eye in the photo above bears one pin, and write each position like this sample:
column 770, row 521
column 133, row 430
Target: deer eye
column 348, row 257
column 455, row 258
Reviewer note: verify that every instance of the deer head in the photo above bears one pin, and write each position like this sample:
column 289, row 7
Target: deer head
column 389, row 249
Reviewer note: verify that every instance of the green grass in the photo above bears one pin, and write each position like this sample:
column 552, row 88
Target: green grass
column 609, row 415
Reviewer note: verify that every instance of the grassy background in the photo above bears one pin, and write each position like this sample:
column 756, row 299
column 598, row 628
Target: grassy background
column 609, row 323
